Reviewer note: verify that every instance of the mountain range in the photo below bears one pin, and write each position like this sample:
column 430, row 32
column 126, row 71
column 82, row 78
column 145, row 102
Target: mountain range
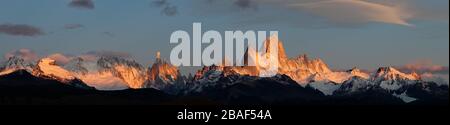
column 300, row 80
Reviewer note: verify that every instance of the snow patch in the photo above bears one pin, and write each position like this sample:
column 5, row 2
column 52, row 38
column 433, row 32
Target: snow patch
column 325, row 88
column 405, row 97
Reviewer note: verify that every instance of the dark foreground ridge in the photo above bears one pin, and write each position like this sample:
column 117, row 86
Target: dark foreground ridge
column 23, row 95
column 22, row 88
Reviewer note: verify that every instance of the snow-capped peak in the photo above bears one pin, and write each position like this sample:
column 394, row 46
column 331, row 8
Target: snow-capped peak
column 300, row 69
column 129, row 71
column 390, row 73
column 91, row 73
column 15, row 63
column 47, row 67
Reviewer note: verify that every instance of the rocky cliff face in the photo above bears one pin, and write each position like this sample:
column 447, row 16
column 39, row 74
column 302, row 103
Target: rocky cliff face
column 301, row 69
column 163, row 75
column 131, row 72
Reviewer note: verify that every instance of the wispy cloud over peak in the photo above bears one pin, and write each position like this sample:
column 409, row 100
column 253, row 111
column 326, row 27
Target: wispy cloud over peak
column 356, row 11
column 424, row 66
column 90, row 56
column 60, row 59
column 26, row 54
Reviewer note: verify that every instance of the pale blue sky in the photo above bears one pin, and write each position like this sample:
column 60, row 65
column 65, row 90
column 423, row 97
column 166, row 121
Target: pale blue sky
column 139, row 28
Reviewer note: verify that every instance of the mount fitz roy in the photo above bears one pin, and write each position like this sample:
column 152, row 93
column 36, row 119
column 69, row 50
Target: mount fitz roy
column 300, row 80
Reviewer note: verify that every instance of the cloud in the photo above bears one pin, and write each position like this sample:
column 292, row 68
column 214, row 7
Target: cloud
column 170, row 10
column 83, row 4
column 26, row 54
column 245, row 4
column 60, row 59
column 73, row 26
column 110, row 34
column 424, row 66
column 326, row 13
column 442, row 79
column 424, row 10
column 428, row 71
column 20, row 30
column 88, row 57
column 356, row 11
column 109, row 54
column 240, row 4
column 166, row 7
column 91, row 56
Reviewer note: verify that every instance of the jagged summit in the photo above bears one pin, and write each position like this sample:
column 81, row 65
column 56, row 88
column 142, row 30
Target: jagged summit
column 390, row 73
column 111, row 61
column 251, row 54
column 281, row 51
column 301, row 69
column 158, row 56
column 131, row 72
column 301, row 72
column 15, row 63
column 162, row 72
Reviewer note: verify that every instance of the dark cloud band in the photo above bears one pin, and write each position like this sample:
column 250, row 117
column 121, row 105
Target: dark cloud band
column 84, row 4
column 166, row 7
column 20, row 30
column 245, row 4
